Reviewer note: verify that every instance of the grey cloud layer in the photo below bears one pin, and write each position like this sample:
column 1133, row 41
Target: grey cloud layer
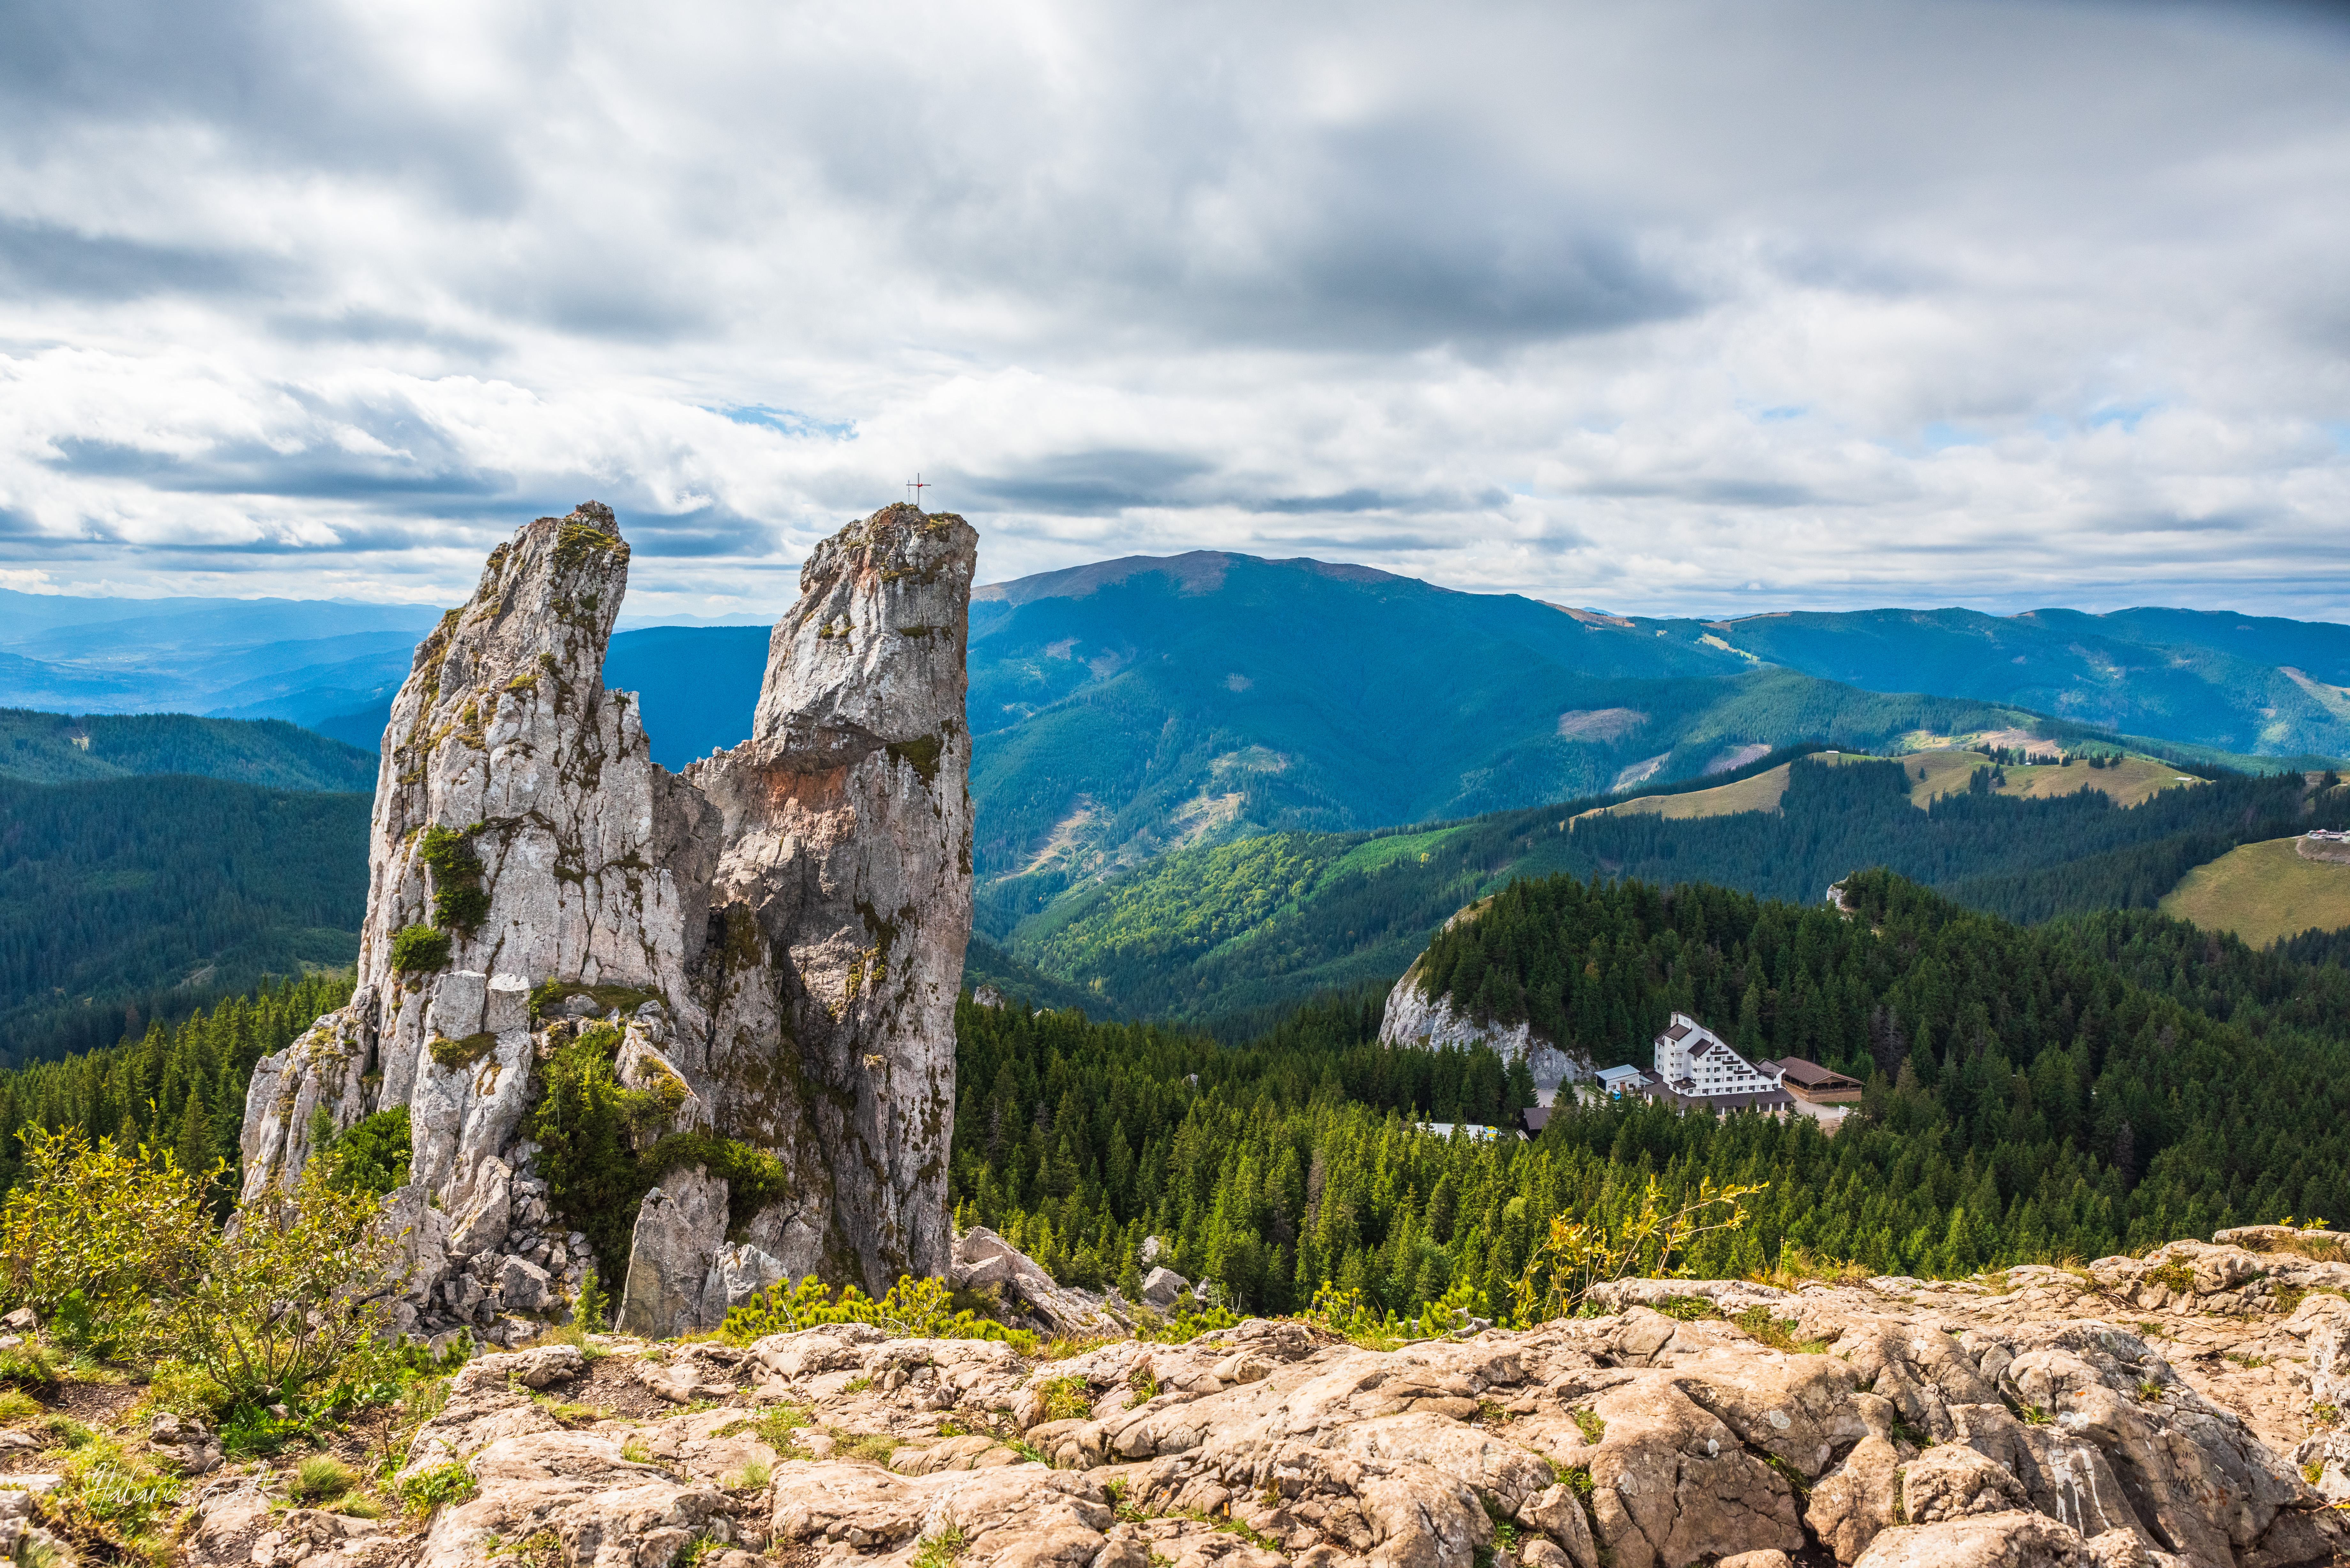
column 1997, row 304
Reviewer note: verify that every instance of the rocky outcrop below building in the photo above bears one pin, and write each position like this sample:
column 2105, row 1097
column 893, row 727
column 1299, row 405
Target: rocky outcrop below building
column 766, row 949
column 2178, row 1409
column 1433, row 1023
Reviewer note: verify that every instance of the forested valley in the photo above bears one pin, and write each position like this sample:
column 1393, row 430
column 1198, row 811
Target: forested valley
column 127, row 900
column 2067, row 1090
column 1227, row 937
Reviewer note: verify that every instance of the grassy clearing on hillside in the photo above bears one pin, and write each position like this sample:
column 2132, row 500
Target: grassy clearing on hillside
column 1761, row 793
column 2263, row 892
column 1386, row 850
column 2130, row 781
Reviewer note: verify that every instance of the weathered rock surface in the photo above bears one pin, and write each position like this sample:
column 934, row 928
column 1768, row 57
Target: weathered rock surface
column 1414, row 1018
column 843, row 886
column 982, row 1259
column 2019, row 1422
column 777, row 936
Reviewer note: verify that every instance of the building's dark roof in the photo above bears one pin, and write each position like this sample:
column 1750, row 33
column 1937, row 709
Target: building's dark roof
column 1678, row 1030
column 1812, row 1075
column 1533, row 1118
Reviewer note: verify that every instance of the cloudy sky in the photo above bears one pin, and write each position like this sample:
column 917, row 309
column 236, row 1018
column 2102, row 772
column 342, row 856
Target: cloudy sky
column 1658, row 307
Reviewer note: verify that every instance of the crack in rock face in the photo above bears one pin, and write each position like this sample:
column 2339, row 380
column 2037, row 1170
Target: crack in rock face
column 775, row 937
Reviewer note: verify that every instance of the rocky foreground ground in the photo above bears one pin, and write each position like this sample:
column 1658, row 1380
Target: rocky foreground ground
column 2176, row 1409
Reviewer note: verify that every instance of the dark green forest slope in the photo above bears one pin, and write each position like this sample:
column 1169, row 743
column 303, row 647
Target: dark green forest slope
column 180, row 1088
column 1221, row 935
column 2074, row 1089
column 58, row 748
column 2067, row 1090
column 130, row 899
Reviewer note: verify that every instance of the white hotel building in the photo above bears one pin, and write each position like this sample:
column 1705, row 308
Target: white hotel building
column 1696, row 1064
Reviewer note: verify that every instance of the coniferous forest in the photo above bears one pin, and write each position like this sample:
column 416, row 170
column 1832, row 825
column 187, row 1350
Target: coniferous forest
column 2063, row 1091
column 125, row 900
column 1229, row 935
column 2067, row 1090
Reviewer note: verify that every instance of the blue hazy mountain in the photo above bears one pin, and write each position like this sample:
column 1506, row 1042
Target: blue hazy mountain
column 1127, row 707
column 306, row 660
column 2241, row 683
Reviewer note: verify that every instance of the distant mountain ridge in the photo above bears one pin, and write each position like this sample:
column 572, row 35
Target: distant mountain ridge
column 1127, row 707
column 2242, row 683
column 58, row 748
column 1132, row 707
column 315, row 663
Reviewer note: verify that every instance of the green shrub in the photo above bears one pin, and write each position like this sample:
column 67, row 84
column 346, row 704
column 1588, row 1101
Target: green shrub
column 437, row 1484
column 778, row 1426
column 323, row 1478
column 603, row 1145
column 112, row 1233
column 458, row 902
column 68, row 1432
column 1777, row 1333
column 117, row 1496
column 373, row 1155
column 420, row 950
column 450, row 1055
column 912, row 1309
column 31, row 1364
column 272, row 1311
column 755, row 1178
column 585, row 1123
column 941, row 1547
column 1065, row 1398
column 1186, row 1326
column 623, row 999
column 592, row 1311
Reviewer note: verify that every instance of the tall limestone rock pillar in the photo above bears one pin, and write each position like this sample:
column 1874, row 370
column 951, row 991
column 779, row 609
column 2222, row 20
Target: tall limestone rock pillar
column 769, row 946
column 841, row 903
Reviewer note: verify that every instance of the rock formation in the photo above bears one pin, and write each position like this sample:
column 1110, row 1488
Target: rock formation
column 771, row 945
column 2173, row 1411
column 1414, row 1018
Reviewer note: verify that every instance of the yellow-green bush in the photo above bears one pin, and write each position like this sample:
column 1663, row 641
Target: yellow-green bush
column 911, row 1309
column 98, row 1227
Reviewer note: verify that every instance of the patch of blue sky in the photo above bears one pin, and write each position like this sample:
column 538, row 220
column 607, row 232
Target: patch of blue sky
column 1939, row 434
column 1783, row 413
column 2340, row 431
column 2125, row 415
column 791, row 422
